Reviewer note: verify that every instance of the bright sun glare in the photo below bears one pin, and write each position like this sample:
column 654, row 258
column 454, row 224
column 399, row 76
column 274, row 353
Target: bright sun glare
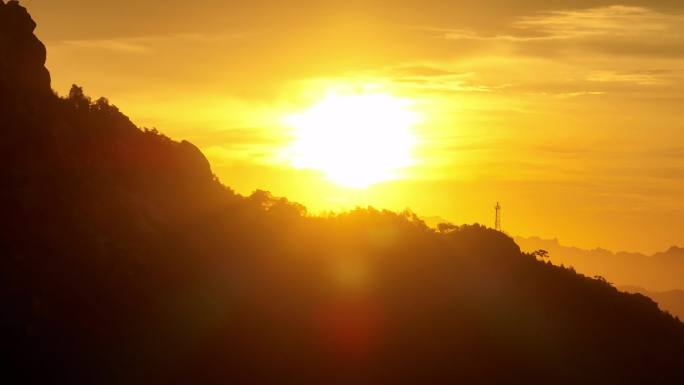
column 356, row 140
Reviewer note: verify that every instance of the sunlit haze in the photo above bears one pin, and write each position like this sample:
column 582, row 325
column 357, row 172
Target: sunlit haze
column 357, row 140
column 568, row 112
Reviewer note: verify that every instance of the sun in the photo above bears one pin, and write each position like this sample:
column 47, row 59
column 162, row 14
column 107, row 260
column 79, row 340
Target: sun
column 356, row 140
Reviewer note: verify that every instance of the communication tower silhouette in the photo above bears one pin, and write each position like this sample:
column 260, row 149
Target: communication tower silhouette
column 497, row 218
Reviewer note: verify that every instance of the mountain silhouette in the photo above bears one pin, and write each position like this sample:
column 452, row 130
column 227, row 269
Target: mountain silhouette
column 125, row 261
column 671, row 300
column 658, row 276
column 23, row 71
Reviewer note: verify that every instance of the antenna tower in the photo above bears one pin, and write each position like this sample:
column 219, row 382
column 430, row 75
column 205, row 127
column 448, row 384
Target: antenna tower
column 497, row 219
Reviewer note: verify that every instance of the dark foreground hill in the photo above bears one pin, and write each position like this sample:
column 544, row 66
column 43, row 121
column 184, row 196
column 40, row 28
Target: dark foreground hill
column 659, row 276
column 659, row 272
column 124, row 261
column 671, row 301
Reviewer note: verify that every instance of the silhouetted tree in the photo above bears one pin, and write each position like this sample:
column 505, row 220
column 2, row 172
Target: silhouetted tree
column 541, row 253
column 446, row 227
column 78, row 97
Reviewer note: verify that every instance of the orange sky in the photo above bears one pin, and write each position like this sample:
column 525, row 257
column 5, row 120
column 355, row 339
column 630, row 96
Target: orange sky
column 568, row 112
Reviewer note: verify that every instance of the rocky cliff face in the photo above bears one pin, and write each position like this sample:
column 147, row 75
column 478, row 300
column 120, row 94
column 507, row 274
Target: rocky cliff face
column 22, row 55
column 34, row 120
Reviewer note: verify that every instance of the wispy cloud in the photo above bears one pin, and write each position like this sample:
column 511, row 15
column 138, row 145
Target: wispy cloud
column 646, row 78
column 146, row 44
column 116, row 45
column 611, row 30
column 613, row 21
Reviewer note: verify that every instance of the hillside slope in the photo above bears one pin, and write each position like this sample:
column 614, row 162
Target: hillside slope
column 658, row 272
column 671, row 301
column 124, row 261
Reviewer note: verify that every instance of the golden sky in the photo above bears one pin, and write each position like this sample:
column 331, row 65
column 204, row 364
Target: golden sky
column 568, row 112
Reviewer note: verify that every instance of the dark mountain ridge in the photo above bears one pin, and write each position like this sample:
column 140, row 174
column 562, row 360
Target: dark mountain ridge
column 661, row 271
column 658, row 276
column 671, row 301
column 123, row 260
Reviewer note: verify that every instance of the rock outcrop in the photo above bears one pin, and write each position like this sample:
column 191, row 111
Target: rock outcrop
column 22, row 55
